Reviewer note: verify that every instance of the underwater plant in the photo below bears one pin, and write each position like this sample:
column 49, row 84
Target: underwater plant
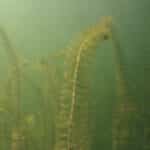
column 14, row 66
column 51, row 77
column 48, row 99
column 72, row 125
column 73, row 129
column 14, row 87
column 125, row 113
column 65, row 95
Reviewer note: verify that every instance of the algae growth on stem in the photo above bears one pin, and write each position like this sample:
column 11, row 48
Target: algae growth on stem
column 72, row 132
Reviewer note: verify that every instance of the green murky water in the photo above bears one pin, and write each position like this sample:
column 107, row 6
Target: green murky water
column 72, row 79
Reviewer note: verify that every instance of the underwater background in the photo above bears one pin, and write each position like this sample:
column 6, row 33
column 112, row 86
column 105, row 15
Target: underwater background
column 113, row 108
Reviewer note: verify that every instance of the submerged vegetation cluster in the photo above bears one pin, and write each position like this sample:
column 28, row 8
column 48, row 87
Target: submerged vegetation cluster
column 62, row 120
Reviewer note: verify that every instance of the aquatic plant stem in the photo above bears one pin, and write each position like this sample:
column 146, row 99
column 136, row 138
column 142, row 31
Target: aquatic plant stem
column 14, row 63
column 125, row 106
column 85, row 50
column 75, row 76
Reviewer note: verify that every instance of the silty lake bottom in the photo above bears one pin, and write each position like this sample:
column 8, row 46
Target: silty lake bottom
column 76, row 98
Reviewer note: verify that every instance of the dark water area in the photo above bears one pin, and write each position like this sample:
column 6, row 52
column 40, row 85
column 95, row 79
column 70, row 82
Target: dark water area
column 69, row 83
